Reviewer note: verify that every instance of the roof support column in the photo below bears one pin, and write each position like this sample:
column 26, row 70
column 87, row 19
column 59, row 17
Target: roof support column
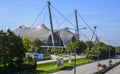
column 51, row 24
column 77, row 30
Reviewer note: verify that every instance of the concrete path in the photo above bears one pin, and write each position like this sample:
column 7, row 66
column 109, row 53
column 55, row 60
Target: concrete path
column 55, row 57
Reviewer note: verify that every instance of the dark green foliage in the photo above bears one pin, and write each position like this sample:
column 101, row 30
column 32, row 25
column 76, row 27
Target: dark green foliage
column 15, row 48
column 70, row 47
column 12, row 52
column 91, row 56
column 36, row 45
column 118, row 50
column 56, row 50
column 78, row 45
column 112, row 51
column 90, row 44
column 103, row 50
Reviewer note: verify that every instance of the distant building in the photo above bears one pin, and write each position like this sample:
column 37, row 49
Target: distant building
column 61, row 37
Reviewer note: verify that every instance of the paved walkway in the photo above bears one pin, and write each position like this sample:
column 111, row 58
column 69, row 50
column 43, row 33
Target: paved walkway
column 55, row 57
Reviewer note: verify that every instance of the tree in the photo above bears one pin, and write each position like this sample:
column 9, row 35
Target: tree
column 62, row 50
column 12, row 52
column 70, row 47
column 80, row 46
column 36, row 45
column 53, row 50
column 112, row 51
column 118, row 50
column 16, row 48
column 90, row 44
column 102, row 49
column 4, row 58
column 26, row 43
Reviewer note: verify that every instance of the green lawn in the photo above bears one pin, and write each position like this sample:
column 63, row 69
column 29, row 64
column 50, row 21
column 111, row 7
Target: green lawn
column 52, row 67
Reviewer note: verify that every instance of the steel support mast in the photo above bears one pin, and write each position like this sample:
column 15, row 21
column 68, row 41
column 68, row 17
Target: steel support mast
column 51, row 24
column 77, row 28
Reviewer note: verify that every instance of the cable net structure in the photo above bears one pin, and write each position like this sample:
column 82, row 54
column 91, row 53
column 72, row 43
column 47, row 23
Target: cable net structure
column 60, row 35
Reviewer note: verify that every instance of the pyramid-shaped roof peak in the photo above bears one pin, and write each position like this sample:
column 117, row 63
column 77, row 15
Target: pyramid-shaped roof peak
column 42, row 27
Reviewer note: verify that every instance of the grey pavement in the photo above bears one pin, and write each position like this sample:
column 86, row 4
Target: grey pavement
column 88, row 68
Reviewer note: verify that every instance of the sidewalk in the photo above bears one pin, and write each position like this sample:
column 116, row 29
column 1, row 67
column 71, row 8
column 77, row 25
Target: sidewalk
column 55, row 57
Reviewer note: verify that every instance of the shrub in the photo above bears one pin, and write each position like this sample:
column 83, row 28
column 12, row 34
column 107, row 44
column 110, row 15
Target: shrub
column 92, row 57
column 46, row 56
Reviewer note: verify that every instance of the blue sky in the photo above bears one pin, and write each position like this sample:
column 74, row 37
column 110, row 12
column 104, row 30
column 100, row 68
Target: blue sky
column 105, row 14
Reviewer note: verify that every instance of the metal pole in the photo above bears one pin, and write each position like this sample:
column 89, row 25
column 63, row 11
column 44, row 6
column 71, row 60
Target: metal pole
column 98, row 54
column 110, row 61
column 74, row 61
column 76, row 20
column 51, row 24
column 98, row 58
column 109, row 50
column 116, row 54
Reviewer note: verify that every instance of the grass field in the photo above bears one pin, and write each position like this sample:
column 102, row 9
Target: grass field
column 46, row 68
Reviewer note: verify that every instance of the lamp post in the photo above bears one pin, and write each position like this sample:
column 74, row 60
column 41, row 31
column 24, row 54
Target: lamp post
column 98, row 59
column 116, row 54
column 75, row 30
column 109, row 52
column 98, row 53
column 75, row 49
column 109, row 49
column 74, row 61
column 78, row 29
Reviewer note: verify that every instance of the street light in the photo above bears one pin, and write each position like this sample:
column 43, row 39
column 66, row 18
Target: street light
column 78, row 29
column 98, row 64
column 116, row 54
column 75, row 49
column 109, row 52
column 74, row 61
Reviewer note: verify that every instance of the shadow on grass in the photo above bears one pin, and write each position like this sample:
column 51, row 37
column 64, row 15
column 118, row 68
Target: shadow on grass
column 68, row 68
column 40, row 72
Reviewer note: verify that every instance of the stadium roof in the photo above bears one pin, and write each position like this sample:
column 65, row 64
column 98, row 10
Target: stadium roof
column 43, row 33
